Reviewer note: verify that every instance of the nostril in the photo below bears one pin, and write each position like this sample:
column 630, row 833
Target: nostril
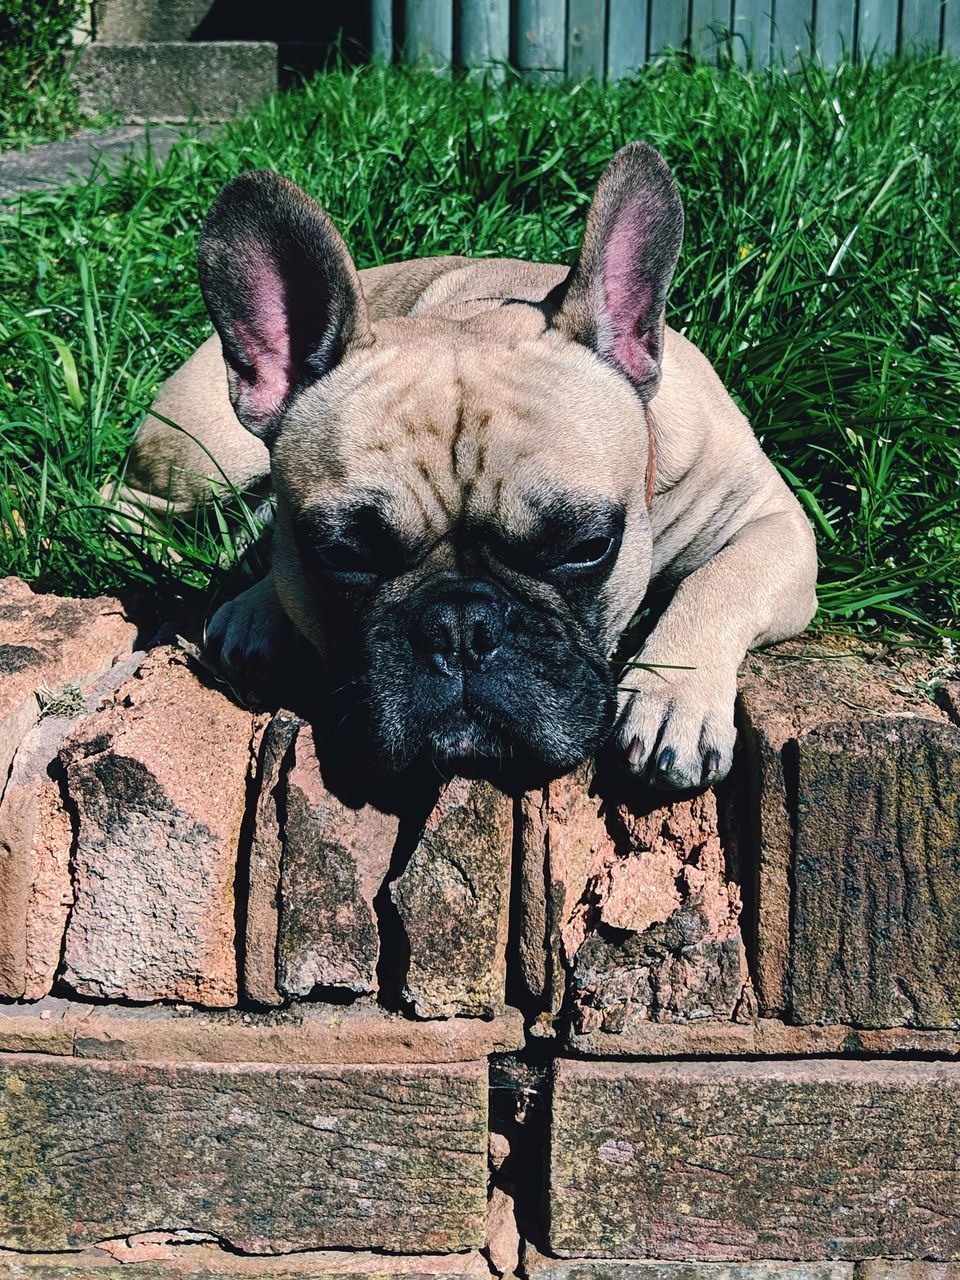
column 436, row 631
column 485, row 639
column 459, row 632
column 483, row 628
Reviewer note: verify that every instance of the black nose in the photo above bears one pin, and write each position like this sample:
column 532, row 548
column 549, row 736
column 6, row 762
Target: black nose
column 460, row 632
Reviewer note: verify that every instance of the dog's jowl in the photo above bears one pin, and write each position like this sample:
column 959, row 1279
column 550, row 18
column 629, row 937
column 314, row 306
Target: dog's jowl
column 481, row 467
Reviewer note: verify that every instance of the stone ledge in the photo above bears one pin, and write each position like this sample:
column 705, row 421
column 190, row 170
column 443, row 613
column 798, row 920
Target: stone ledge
column 144, row 1258
column 322, row 1034
column 613, row 1269
column 265, row 1159
column 161, row 1256
column 819, row 1160
column 765, row 1037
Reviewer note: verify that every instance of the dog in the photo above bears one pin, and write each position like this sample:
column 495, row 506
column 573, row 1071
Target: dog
column 481, row 469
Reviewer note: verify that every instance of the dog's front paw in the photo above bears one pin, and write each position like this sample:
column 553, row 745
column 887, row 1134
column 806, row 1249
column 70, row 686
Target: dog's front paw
column 675, row 728
column 249, row 637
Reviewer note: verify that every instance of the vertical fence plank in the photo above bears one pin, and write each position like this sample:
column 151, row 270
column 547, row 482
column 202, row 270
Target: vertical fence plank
column 381, row 30
column 920, row 26
column 484, row 32
column 792, row 23
column 589, row 37
column 951, row 28
column 752, row 30
column 626, row 38
column 668, row 25
column 585, row 42
column 833, row 31
column 541, row 38
column 877, row 28
column 709, row 27
column 429, row 32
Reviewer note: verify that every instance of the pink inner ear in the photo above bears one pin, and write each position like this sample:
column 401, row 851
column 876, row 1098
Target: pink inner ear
column 264, row 338
column 628, row 293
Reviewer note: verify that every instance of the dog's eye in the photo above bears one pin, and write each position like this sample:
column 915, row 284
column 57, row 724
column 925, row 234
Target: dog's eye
column 346, row 560
column 588, row 554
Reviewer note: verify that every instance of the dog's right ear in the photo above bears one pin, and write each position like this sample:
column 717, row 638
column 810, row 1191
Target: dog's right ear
column 283, row 292
column 613, row 298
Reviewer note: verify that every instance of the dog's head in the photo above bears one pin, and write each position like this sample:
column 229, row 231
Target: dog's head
column 462, row 531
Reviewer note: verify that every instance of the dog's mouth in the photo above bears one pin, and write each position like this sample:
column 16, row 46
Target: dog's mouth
column 463, row 740
column 472, row 680
column 466, row 743
column 520, row 728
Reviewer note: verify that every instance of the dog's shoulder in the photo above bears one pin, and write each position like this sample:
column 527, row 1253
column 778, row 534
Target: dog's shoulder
column 712, row 475
column 697, row 423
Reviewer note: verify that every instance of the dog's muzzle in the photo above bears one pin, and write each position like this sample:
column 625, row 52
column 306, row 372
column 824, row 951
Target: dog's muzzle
column 463, row 672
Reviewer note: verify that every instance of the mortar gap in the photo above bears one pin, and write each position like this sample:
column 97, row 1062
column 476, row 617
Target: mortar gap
column 242, row 866
column 393, row 961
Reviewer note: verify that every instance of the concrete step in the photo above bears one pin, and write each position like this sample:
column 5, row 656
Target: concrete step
column 175, row 80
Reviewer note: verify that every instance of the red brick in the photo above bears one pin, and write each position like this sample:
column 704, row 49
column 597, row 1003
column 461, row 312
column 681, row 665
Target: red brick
column 333, row 862
column 641, row 918
column 46, row 642
column 452, row 900
column 158, row 784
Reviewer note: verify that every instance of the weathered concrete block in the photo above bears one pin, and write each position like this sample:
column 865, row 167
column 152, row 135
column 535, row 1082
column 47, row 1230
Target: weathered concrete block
column 136, row 20
column 334, row 860
column 640, row 916
column 264, row 1158
column 452, row 900
column 157, row 782
column 175, row 81
column 856, row 831
column 876, row 919
column 46, row 642
column 745, row 1160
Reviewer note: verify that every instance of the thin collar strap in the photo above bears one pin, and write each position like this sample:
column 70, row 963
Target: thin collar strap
column 651, row 457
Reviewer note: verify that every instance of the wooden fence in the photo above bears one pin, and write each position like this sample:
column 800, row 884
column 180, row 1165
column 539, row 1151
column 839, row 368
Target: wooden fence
column 611, row 38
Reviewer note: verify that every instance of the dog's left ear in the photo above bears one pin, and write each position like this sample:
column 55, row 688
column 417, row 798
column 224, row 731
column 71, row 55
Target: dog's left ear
column 613, row 298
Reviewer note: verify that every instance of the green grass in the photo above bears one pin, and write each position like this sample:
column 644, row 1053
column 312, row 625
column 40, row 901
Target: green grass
column 36, row 48
column 819, row 274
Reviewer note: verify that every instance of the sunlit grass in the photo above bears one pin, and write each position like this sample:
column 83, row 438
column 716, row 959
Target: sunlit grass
column 819, row 274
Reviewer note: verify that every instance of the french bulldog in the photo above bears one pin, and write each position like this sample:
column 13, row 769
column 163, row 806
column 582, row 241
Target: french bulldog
column 481, row 469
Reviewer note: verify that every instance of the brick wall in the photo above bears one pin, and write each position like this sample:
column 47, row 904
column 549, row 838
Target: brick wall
column 248, row 1025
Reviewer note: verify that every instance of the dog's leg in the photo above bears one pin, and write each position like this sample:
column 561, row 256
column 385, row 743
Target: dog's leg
column 675, row 726
column 250, row 637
